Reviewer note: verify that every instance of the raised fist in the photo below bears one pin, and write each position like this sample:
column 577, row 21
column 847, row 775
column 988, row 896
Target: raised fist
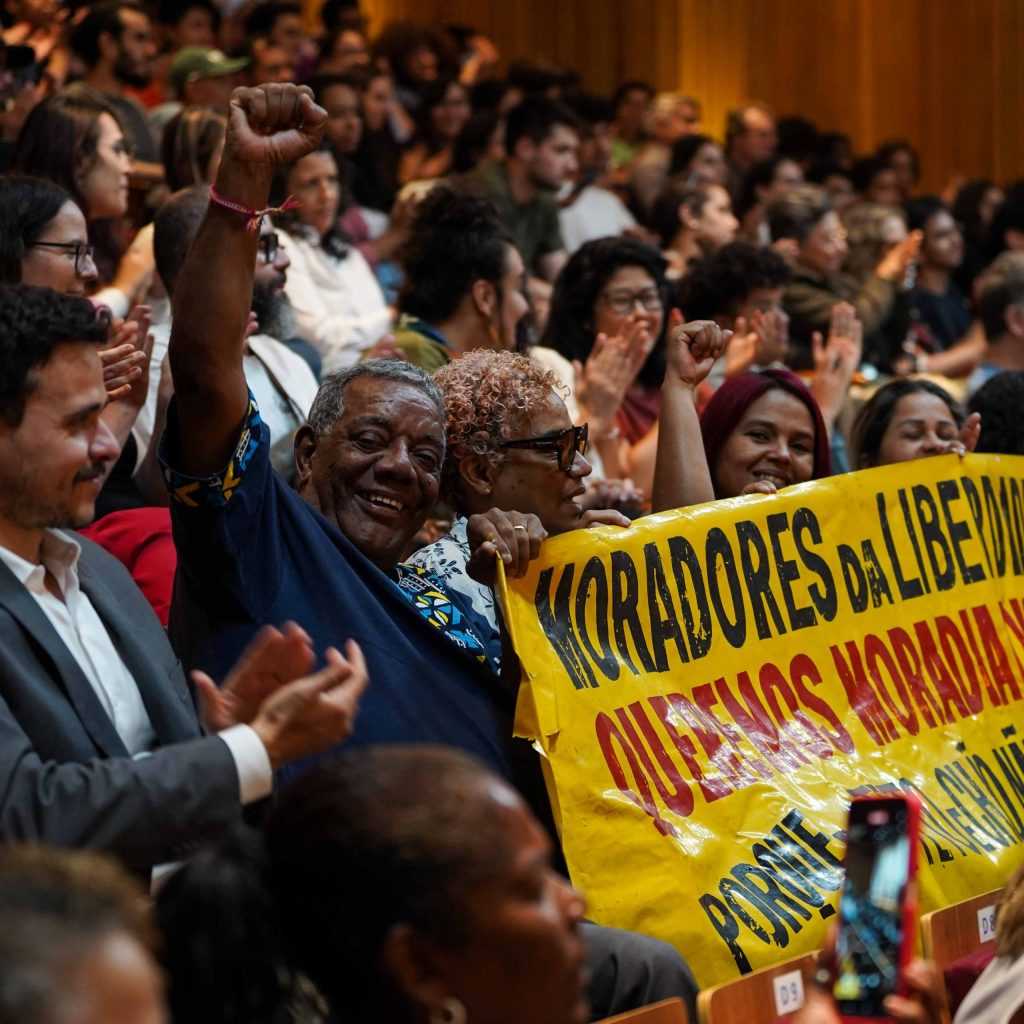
column 274, row 124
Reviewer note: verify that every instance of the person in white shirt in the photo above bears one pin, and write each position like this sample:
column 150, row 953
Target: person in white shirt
column 339, row 306
column 588, row 210
column 280, row 380
column 100, row 745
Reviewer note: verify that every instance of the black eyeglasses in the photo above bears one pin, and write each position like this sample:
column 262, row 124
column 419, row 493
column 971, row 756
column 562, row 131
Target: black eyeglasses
column 83, row 252
column 567, row 445
column 268, row 246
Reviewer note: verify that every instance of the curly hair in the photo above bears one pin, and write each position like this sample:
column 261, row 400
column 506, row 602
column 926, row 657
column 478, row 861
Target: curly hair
column 456, row 238
column 570, row 327
column 720, row 284
column 33, row 322
column 487, row 395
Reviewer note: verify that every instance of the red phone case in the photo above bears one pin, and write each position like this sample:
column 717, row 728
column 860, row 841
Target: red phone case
column 909, row 910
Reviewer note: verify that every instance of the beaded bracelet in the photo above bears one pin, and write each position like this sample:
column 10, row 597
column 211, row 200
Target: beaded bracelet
column 255, row 217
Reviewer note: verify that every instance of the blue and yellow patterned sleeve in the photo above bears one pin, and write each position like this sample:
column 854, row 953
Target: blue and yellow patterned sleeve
column 216, row 490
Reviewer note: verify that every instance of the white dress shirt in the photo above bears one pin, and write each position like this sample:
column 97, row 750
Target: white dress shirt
column 79, row 626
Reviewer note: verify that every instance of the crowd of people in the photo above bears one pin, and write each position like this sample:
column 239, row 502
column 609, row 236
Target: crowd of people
column 301, row 334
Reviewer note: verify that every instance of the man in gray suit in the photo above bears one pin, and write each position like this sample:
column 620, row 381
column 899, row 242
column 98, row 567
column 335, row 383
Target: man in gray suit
column 100, row 746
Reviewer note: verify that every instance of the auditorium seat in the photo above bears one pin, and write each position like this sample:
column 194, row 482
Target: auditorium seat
column 766, row 996
column 668, row 1011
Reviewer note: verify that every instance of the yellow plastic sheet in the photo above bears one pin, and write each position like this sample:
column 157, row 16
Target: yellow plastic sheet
column 711, row 686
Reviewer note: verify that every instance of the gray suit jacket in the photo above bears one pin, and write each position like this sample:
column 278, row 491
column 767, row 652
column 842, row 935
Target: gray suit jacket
column 65, row 776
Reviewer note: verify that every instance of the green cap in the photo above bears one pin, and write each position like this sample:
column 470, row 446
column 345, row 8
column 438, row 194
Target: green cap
column 201, row 62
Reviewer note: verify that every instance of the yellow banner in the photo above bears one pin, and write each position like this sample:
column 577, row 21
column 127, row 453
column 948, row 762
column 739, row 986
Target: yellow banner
column 712, row 685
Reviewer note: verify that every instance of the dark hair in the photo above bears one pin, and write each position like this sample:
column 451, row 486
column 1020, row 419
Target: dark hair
column 356, row 80
column 798, row 138
column 398, row 40
column 335, row 241
column 570, row 328
column 921, row 209
column 456, row 238
column 189, row 141
column 433, row 95
column 263, row 17
column 722, row 415
column 664, row 218
column 175, row 227
column 796, row 214
column 999, row 401
column 472, row 142
column 27, row 205
column 999, row 291
column 888, row 149
column 172, row 12
column 33, row 322
column 342, row 14
column 386, row 836
column 486, row 96
column 818, row 173
column 591, row 110
column 1009, row 216
column 535, row 119
column 102, row 18
column 56, row 907
column 761, row 175
column 865, row 170
column 685, row 150
column 536, row 78
column 718, row 285
column 633, row 85
column 59, row 137
column 967, row 209
column 875, row 416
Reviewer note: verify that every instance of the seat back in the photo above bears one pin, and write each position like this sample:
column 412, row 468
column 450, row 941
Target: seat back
column 762, row 997
column 963, row 928
column 668, row 1011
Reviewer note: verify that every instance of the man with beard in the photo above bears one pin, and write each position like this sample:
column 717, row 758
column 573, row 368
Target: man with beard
column 115, row 43
column 281, row 381
column 328, row 552
column 542, row 140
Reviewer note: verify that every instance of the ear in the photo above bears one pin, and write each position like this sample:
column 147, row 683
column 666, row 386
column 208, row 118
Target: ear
column 485, row 298
column 686, row 218
column 477, row 474
column 417, row 967
column 305, row 446
column 1014, row 318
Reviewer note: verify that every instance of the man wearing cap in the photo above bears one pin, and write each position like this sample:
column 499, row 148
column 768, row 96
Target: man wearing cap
column 200, row 76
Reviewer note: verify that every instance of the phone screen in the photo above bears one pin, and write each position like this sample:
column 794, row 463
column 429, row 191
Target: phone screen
column 871, row 908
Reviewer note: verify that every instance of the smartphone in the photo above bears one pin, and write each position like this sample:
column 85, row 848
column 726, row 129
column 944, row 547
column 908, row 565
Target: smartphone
column 878, row 909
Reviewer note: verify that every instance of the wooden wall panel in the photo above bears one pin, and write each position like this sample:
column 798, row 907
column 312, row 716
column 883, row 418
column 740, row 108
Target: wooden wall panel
column 945, row 73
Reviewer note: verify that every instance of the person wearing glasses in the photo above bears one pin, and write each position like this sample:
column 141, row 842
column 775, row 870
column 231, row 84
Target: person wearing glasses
column 77, row 141
column 513, row 445
column 605, row 340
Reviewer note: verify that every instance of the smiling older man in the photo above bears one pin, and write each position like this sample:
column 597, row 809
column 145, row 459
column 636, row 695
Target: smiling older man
column 368, row 470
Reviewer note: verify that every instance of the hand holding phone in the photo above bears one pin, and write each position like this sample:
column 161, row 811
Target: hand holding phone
column 877, row 910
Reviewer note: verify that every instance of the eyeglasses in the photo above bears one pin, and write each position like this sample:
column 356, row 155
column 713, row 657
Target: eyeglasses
column 623, row 302
column 84, row 253
column 267, row 246
column 567, row 444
